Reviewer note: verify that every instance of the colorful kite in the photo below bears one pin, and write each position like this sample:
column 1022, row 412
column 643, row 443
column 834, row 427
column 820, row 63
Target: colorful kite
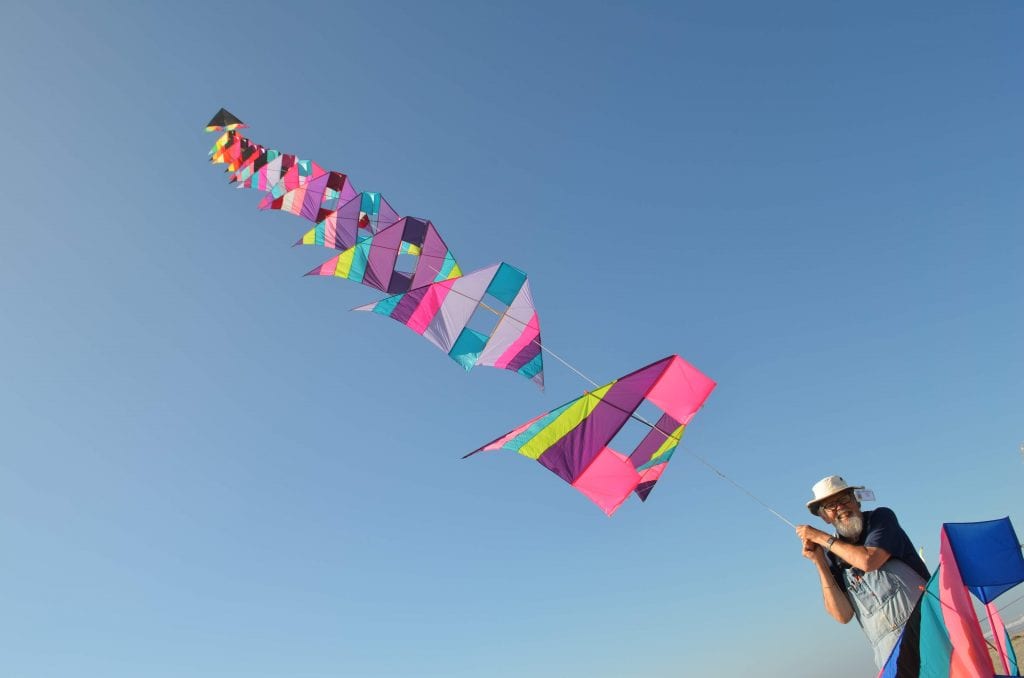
column 235, row 151
column 247, row 169
column 309, row 191
column 942, row 638
column 222, row 141
column 377, row 261
column 573, row 440
column 442, row 313
column 353, row 222
column 226, row 141
column 269, row 175
column 223, row 120
column 248, row 152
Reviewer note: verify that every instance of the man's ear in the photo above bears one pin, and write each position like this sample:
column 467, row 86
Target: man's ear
column 824, row 516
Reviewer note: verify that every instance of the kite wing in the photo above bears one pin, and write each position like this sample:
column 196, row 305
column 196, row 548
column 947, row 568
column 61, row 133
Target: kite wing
column 442, row 313
column 265, row 177
column 573, row 440
column 222, row 141
column 223, row 120
column 245, row 172
column 226, row 145
column 377, row 261
column 356, row 220
column 308, row 191
column 236, row 150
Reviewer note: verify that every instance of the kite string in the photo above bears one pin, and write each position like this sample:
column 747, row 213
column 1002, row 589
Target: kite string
column 564, row 362
column 541, row 346
column 737, row 486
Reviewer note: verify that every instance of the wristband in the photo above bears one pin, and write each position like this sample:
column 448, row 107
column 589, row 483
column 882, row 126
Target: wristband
column 828, row 545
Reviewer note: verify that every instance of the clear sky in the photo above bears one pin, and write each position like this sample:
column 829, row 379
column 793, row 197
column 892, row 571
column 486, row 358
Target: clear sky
column 210, row 468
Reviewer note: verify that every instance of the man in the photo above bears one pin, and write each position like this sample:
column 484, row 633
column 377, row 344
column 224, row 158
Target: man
column 868, row 569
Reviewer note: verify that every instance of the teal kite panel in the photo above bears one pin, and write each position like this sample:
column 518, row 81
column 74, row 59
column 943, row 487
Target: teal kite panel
column 386, row 306
column 506, row 284
column 468, row 347
column 530, row 369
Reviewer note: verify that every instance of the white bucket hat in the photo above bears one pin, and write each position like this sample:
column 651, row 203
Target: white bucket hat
column 828, row 487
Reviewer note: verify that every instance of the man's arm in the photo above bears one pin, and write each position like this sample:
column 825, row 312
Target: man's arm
column 866, row 558
column 836, row 602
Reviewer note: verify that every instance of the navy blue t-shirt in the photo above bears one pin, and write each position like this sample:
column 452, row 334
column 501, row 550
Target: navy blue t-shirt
column 882, row 530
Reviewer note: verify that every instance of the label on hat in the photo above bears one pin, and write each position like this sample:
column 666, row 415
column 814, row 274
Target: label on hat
column 865, row 495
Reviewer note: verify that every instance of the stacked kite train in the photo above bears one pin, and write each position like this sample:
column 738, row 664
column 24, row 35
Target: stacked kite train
column 407, row 258
column 397, row 255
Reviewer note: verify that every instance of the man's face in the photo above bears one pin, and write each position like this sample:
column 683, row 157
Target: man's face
column 843, row 511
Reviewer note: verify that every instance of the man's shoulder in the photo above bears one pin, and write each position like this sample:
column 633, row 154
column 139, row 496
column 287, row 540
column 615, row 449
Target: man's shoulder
column 880, row 521
column 880, row 514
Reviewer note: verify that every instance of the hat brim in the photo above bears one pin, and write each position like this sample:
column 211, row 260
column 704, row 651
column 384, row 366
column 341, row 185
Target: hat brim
column 814, row 504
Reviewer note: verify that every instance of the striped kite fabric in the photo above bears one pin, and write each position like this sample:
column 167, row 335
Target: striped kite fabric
column 572, row 441
column 441, row 314
column 353, row 222
column 269, row 175
column 375, row 260
column 245, row 172
column 308, row 190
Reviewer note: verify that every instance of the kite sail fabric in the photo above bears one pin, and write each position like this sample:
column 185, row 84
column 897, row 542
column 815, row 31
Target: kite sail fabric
column 441, row 313
column 246, row 170
column 989, row 556
column 375, row 260
column 223, row 120
column 247, row 151
column 353, row 222
column 222, row 141
column 225, row 146
column 236, row 151
column 572, row 441
column 1002, row 641
column 309, row 191
column 269, row 175
column 943, row 638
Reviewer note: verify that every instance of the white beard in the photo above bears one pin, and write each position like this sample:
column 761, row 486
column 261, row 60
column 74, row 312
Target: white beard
column 850, row 527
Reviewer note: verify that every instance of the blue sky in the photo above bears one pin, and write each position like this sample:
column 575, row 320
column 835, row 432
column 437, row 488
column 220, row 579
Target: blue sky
column 210, row 468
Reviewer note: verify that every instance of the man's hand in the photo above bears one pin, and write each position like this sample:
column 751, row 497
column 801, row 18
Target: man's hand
column 811, row 550
column 811, row 534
